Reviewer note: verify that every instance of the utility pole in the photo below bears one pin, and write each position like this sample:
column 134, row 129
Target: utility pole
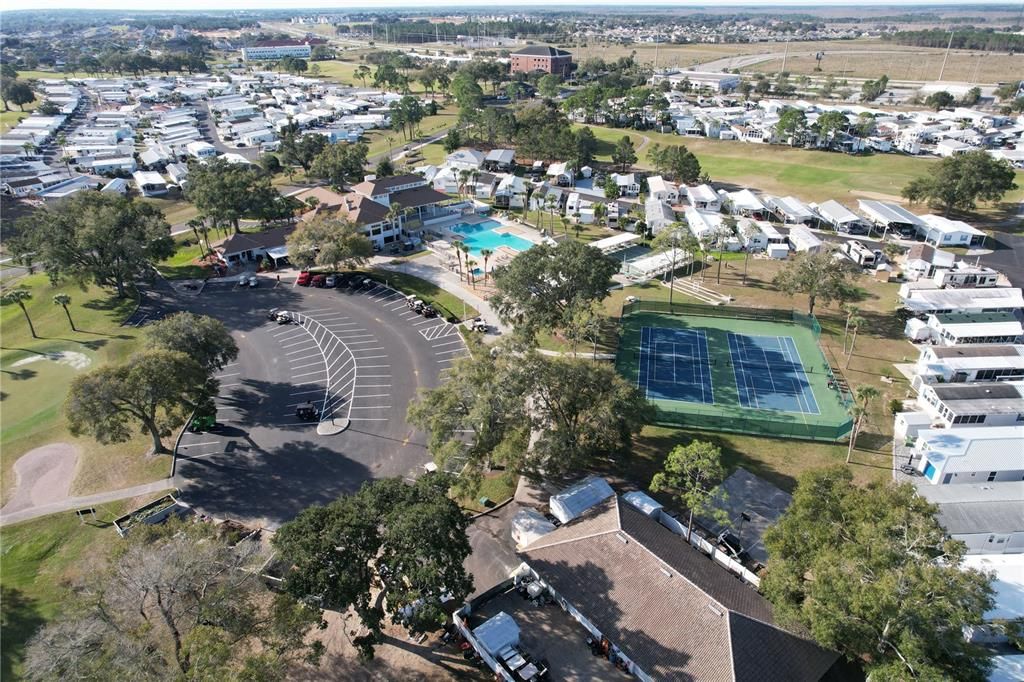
column 946, row 57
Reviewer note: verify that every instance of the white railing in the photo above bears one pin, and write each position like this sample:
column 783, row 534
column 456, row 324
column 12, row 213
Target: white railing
column 703, row 545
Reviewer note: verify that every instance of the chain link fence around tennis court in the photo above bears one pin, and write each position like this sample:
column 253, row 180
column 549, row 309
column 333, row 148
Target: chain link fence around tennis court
column 692, row 416
column 695, row 418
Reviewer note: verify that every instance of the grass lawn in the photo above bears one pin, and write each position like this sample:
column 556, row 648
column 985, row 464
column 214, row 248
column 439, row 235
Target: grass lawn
column 497, row 487
column 184, row 263
column 9, row 119
column 37, row 373
column 449, row 305
column 379, row 142
column 39, row 559
column 175, row 211
column 777, row 460
column 808, row 175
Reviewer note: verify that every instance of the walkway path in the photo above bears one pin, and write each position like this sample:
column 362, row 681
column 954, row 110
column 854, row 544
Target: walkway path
column 72, row 503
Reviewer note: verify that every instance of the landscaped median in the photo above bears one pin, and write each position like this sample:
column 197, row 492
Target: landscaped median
column 449, row 305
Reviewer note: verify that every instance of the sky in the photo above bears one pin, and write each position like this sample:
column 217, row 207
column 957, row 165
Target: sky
column 192, row 5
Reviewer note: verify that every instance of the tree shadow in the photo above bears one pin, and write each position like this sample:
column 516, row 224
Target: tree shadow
column 20, row 374
column 19, row 619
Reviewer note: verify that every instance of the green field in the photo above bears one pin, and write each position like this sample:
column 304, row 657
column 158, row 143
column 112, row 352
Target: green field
column 727, row 413
column 37, row 372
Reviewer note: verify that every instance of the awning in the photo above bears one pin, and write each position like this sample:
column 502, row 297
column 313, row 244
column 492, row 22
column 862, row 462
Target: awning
column 278, row 252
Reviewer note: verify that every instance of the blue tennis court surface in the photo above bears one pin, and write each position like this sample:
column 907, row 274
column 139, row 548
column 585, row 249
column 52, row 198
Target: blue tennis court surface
column 770, row 375
column 674, row 365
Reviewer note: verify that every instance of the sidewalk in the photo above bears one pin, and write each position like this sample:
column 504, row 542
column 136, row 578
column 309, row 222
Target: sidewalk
column 73, row 503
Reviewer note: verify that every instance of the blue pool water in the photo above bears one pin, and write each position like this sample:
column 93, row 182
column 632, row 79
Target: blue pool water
column 482, row 236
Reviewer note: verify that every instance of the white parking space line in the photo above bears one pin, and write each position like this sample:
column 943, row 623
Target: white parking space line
column 355, row 336
column 309, row 364
column 301, row 350
column 409, row 315
column 368, row 419
column 360, row 343
column 373, row 385
column 398, row 305
column 388, row 299
column 446, row 343
column 308, row 374
column 376, row 366
column 337, row 316
column 204, row 454
column 441, row 362
column 371, row 395
column 305, row 392
column 229, row 385
column 305, row 357
column 371, row 357
column 195, row 445
column 231, row 364
column 448, row 352
column 372, row 407
column 341, row 324
column 376, row 376
column 305, row 383
column 229, row 374
column 428, row 321
column 287, row 330
column 318, row 310
column 295, row 343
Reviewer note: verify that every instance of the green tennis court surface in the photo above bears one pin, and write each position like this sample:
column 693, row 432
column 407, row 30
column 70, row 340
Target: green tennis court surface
column 732, row 369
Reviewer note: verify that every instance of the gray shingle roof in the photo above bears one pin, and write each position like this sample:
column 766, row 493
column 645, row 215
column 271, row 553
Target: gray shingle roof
column 671, row 609
column 542, row 51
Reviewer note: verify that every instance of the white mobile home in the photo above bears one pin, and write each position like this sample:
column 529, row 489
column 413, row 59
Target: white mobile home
column 941, row 231
column 790, row 210
column 858, row 253
column 662, row 190
column 958, row 329
column 150, row 184
column 927, row 300
column 889, row 216
column 968, row 364
column 704, row 198
column 953, row 406
column 802, row 239
column 970, row 454
column 841, row 218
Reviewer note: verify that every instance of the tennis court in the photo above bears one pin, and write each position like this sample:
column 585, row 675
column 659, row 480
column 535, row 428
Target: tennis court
column 770, row 375
column 725, row 368
column 674, row 365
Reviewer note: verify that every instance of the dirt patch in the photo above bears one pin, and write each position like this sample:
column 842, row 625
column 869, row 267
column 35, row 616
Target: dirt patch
column 877, row 196
column 397, row 657
column 44, row 476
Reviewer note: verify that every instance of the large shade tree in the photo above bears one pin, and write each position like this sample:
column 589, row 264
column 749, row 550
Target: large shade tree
column 404, row 543
column 340, row 163
column 536, row 289
column 819, row 276
column 871, row 573
column 960, row 182
column 204, row 339
column 97, row 237
column 331, row 242
column 226, row 192
column 155, row 389
column 179, row 602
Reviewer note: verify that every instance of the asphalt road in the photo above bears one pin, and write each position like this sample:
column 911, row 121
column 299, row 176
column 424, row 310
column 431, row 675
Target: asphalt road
column 357, row 355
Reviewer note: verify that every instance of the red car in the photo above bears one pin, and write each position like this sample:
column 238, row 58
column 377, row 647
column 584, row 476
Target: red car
column 318, row 280
column 304, row 277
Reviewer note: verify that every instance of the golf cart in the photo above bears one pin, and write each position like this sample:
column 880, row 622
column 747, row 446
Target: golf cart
column 477, row 324
column 415, row 304
column 272, row 313
column 429, row 311
column 284, row 317
column 203, row 422
column 307, row 412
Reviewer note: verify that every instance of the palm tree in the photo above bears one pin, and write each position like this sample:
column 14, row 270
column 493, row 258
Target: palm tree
column 486, row 254
column 463, row 179
column 463, row 248
column 530, row 189
column 395, row 212
column 458, row 254
column 690, row 244
column 63, row 300
column 861, row 400
column 851, row 311
column 362, row 72
column 19, row 296
column 470, row 277
column 195, row 224
column 600, row 210
column 549, row 204
column 856, row 321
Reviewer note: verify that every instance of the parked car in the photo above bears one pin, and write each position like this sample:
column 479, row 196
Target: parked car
column 284, row 317
column 304, row 277
column 252, row 281
column 330, row 281
column 369, row 283
column 318, row 281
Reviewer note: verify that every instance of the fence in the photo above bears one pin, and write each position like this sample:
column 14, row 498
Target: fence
column 768, row 426
column 732, row 312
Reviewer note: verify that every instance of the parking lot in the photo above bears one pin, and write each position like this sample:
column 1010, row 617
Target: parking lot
column 357, row 355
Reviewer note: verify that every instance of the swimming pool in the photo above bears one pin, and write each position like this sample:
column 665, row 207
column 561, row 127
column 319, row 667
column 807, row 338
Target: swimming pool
column 482, row 236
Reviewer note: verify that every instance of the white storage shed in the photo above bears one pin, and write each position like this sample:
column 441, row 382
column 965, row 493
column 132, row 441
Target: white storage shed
column 576, row 499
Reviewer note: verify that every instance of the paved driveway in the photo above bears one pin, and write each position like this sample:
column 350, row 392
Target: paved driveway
column 361, row 356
